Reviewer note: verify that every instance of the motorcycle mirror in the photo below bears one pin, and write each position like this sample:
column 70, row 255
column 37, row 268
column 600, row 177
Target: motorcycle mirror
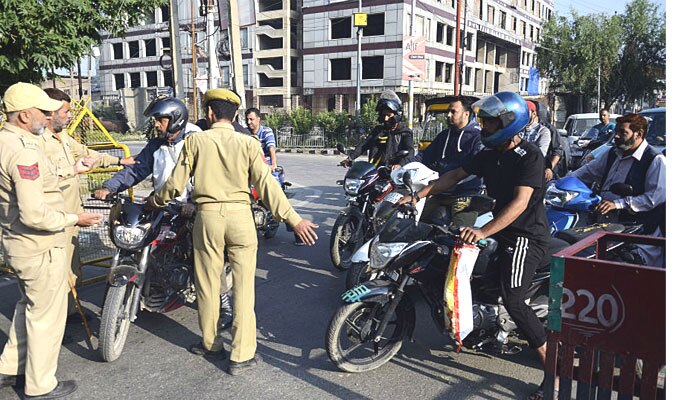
column 407, row 178
column 621, row 189
column 384, row 172
column 340, row 147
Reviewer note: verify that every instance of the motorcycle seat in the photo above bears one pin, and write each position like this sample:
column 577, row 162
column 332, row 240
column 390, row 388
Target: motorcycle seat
column 577, row 234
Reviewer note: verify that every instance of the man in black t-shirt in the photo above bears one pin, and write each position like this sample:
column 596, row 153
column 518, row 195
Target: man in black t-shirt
column 513, row 171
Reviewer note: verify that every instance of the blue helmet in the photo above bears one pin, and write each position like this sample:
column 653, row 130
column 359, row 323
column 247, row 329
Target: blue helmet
column 510, row 108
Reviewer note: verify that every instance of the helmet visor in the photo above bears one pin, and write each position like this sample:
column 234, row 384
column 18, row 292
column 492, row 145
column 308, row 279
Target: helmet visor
column 492, row 107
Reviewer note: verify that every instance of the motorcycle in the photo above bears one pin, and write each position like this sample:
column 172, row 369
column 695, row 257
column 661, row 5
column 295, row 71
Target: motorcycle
column 419, row 176
column 152, row 268
column 569, row 204
column 364, row 189
column 378, row 315
column 264, row 221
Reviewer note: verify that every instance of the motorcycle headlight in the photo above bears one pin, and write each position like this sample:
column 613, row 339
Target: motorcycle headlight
column 130, row 237
column 381, row 253
column 352, row 186
column 557, row 197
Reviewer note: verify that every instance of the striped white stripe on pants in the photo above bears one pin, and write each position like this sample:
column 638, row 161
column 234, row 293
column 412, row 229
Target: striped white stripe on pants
column 518, row 263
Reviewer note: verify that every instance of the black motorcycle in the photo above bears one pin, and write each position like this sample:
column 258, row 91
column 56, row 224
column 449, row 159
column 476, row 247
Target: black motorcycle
column 152, row 268
column 264, row 221
column 370, row 327
column 364, row 188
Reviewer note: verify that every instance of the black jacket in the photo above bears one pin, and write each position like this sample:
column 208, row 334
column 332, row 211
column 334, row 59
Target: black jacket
column 383, row 145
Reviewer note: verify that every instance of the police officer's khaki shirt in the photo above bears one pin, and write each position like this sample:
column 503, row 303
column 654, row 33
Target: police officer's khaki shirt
column 32, row 212
column 62, row 151
column 223, row 162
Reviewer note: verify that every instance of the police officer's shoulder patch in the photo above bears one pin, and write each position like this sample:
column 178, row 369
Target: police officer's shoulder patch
column 30, row 172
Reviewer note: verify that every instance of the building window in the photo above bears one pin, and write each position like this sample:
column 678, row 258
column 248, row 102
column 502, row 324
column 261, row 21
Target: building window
column 524, row 25
column 168, row 78
column 135, row 78
column 490, row 11
column 244, row 38
column 470, row 38
column 164, row 13
column 439, row 71
column 440, row 32
column 340, row 69
column 272, row 101
column 245, row 75
column 375, row 25
column 134, row 49
column 119, row 81
column 165, row 45
column 117, row 51
column 537, row 34
column 467, row 76
column 503, row 19
column 515, row 24
column 448, row 73
column 450, row 36
column 341, row 28
column 151, row 78
column 532, row 32
column 150, row 48
column 373, row 67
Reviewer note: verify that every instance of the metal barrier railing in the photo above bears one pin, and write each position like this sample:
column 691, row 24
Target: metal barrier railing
column 314, row 139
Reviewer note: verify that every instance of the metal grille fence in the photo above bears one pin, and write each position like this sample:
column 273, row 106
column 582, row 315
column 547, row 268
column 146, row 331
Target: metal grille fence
column 287, row 139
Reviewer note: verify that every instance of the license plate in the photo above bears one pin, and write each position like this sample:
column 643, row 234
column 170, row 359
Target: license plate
column 393, row 197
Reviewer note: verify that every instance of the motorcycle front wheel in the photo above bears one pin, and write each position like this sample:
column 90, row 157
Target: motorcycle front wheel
column 358, row 273
column 350, row 337
column 344, row 241
column 115, row 321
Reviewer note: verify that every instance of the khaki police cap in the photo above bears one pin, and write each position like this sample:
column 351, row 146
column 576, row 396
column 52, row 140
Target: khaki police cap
column 222, row 94
column 23, row 96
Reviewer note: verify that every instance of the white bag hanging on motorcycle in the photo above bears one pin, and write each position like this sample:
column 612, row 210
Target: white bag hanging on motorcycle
column 458, row 292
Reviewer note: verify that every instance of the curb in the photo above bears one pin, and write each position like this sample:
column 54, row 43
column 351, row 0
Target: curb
column 325, row 152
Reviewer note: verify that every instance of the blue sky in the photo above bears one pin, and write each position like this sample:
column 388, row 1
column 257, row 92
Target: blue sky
column 562, row 7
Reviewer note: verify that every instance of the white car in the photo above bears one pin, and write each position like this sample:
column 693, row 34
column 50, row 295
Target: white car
column 575, row 126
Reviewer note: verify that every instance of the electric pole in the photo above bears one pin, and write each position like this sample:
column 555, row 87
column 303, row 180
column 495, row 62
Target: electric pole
column 359, row 62
column 457, row 47
column 213, row 79
column 175, row 57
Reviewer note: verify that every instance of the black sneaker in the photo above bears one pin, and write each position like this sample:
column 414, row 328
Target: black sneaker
column 63, row 389
column 199, row 350
column 11, row 380
column 237, row 368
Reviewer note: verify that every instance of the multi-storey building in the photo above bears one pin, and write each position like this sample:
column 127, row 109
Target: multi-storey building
column 499, row 38
column 305, row 53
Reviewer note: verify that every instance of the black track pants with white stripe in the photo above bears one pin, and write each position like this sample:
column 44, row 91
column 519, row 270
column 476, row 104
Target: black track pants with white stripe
column 517, row 262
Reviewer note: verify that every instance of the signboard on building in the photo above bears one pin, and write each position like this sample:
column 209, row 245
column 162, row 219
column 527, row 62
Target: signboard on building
column 533, row 84
column 414, row 64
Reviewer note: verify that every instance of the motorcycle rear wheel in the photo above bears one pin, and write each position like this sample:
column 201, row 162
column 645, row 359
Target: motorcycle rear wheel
column 342, row 244
column 349, row 339
column 115, row 321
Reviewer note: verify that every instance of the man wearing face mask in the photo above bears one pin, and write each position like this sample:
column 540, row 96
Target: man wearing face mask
column 62, row 150
column 633, row 161
column 33, row 221
column 388, row 138
column 535, row 132
column 158, row 159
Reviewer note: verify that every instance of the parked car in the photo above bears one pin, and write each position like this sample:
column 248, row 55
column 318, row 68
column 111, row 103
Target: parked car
column 575, row 126
column 656, row 135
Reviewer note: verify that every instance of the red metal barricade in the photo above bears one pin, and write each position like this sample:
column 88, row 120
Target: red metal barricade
column 609, row 315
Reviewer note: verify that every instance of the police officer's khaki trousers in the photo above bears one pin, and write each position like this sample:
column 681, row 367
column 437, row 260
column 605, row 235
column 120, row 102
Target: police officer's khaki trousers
column 39, row 322
column 219, row 227
column 73, row 257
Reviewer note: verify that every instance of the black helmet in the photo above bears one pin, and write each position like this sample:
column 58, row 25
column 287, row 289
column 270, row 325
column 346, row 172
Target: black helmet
column 169, row 107
column 389, row 101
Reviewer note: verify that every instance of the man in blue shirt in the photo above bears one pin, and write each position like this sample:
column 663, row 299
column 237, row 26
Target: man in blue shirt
column 605, row 127
column 264, row 134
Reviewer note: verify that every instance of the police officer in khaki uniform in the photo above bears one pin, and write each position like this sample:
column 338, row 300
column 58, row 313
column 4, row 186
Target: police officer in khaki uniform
column 63, row 152
column 33, row 220
column 223, row 162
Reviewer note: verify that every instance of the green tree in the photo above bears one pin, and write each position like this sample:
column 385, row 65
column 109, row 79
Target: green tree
column 629, row 49
column 276, row 120
column 368, row 114
column 332, row 122
column 39, row 36
column 302, row 120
